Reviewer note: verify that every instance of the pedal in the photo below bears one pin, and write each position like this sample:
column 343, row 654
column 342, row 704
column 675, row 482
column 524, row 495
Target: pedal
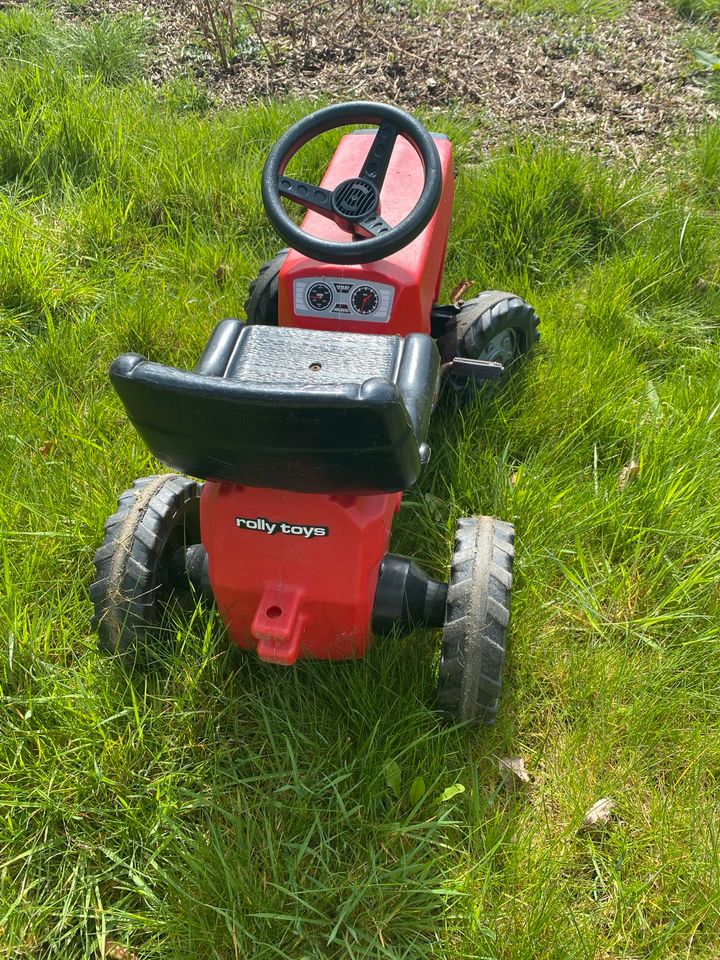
column 476, row 369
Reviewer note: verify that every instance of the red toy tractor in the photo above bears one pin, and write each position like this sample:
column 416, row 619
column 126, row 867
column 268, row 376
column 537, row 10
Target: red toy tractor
column 308, row 423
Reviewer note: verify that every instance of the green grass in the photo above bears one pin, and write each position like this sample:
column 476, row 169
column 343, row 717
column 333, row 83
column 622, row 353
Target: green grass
column 697, row 10
column 577, row 9
column 113, row 49
column 214, row 807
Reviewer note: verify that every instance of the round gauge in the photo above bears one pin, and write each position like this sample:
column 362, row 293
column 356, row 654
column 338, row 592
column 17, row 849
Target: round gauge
column 319, row 296
column 365, row 300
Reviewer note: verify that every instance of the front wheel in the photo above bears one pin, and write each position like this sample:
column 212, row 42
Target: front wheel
column 136, row 569
column 477, row 618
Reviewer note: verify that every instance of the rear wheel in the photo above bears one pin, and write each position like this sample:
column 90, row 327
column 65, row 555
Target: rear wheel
column 136, row 569
column 495, row 326
column 261, row 306
column 476, row 620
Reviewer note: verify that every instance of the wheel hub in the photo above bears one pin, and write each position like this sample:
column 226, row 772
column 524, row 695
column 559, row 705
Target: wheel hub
column 503, row 348
column 353, row 199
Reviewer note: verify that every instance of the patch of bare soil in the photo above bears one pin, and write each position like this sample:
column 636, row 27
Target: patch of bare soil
column 624, row 85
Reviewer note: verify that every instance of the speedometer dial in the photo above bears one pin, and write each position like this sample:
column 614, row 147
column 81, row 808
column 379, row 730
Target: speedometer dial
column 365, row 300
column 319, row 296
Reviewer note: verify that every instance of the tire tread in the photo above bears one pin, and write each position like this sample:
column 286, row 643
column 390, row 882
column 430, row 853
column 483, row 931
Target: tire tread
column 126, row 563
column 477, row 620
column 261, row 306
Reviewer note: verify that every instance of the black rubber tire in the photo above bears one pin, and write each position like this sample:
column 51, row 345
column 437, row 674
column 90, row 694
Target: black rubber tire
column 476, row 621
column 261, row 306
column 494, row 326
column 133, row 583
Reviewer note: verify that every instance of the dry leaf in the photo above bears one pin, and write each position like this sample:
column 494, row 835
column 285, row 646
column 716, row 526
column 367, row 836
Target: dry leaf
column 513, row 772
column 113, row 951
column 628, row 474
column 598, row 816
column 222, row 273
column 460, row 290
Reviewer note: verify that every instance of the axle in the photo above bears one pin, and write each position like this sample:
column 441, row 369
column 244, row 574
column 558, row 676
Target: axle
column 406, row 597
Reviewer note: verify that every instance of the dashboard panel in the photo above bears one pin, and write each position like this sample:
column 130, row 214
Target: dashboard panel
column 342, row 299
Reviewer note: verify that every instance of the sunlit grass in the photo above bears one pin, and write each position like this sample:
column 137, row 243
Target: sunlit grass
column 215, row 807
column 697, row 10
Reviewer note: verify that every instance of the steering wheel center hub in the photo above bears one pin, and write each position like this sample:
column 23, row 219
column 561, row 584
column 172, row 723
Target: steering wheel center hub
column 355, row 198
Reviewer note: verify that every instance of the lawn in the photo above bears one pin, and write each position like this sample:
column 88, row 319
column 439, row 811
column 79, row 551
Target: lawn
column 210, row 806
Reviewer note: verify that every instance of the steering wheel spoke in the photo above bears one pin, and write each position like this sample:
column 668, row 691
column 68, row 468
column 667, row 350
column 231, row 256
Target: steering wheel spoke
column 378, row 158
column 372, row 225
column 307, row 195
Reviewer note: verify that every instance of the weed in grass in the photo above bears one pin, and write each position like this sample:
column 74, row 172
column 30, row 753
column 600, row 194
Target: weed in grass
column 599, row 9
column 708, row 62
column 697, row 10
column 706, row 156
column 185, row 95
column 110, row 48
column 426, row 8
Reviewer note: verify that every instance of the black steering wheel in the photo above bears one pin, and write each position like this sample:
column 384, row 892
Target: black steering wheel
column 354, row 204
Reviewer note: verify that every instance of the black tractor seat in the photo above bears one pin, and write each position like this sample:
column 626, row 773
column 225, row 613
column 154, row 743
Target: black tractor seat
column 291, row 409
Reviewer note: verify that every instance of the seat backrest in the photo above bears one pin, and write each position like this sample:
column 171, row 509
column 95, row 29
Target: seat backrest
column 288, row 408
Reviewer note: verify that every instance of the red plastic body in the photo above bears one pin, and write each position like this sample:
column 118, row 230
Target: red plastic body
column 295, row 593
column 295, row 574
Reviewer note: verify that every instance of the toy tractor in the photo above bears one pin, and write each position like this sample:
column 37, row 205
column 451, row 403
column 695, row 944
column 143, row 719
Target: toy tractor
column 308, row 422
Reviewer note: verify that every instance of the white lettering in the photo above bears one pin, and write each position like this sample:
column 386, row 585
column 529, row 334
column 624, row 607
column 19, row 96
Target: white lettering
column 272, row 527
